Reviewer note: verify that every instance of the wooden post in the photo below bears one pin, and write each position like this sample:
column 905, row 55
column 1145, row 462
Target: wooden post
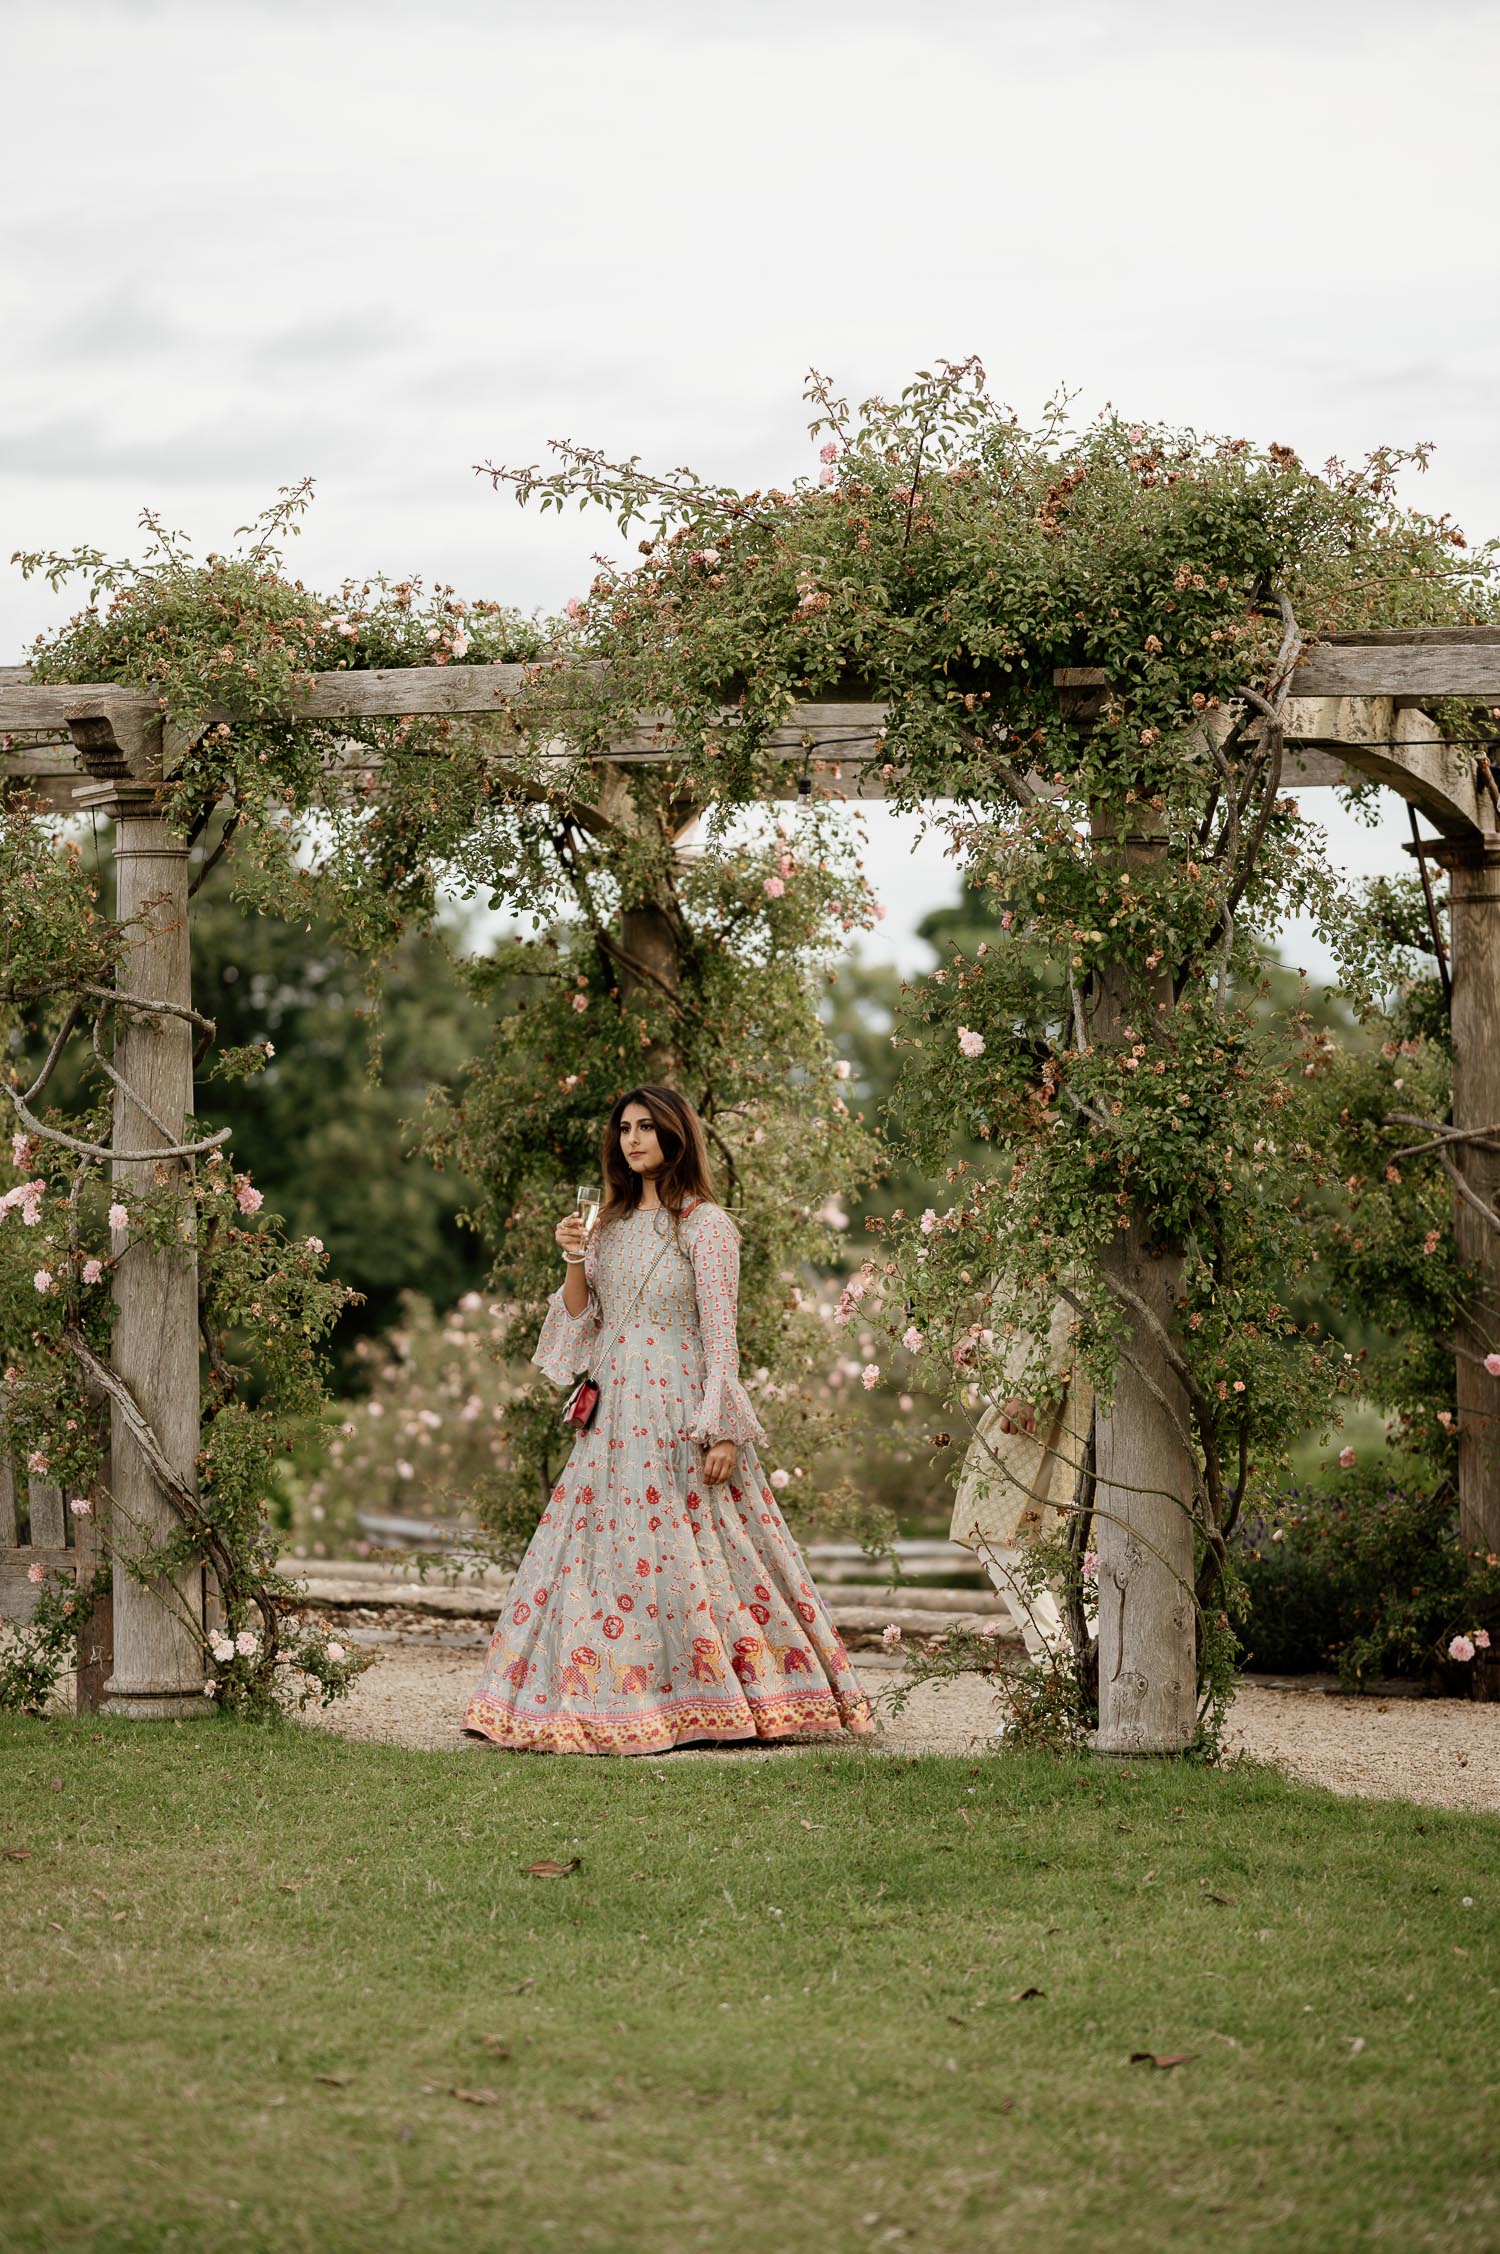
column 158, row 1654
column 1146, row 1466
column 1474, row 905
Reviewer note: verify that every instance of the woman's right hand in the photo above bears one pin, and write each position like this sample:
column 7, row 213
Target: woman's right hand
column 570, row 1235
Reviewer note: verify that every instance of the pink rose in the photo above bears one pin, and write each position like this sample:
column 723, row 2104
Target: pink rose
column 1480, row 1639
column 573, row 607
column 869, row 1376
column 37, row 1460
column 1090, row 1568
column 972, row 1044
column 890, row 1635
column 780, row 1478
column 1346, row 1459
column 336, row 1653
column 828, row 452
column 80, row 1506
column 246, row 1196
column 118, row 1217
column 1461, row 1648
column 36, row 1573
column 911, row 1339
column 1492, row 1364
column 580, row 1002
column 43, row 1281
column 92, row 1271
column 773, row 888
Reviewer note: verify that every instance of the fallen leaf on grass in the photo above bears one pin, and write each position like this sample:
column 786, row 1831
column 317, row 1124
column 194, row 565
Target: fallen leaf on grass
column 554, row 1870
column 1161, row 2058
column 477, row 2097
column 1226, row 1899
column 16, row 1854
column 806, row 1826
column 968, row 1819
column 337, row 2081
column 1356, row 2044
column 521, row 1987
column 1024, row 1995
column 497, row 2044
column 290, row 1886
column 116, row 1915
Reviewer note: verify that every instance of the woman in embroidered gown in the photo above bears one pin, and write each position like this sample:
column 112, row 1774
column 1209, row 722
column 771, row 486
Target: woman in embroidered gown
column 662, row 1597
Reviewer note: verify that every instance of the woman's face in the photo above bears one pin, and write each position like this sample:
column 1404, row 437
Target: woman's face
column 639, row 1144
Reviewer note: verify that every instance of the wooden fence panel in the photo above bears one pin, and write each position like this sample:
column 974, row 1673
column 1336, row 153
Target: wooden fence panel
column 49, row 1517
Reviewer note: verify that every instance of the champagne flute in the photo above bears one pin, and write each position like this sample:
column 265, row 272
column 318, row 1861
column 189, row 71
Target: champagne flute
column 590, row 1197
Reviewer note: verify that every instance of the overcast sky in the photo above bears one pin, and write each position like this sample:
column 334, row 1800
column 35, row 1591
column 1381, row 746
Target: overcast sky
column 377, row 243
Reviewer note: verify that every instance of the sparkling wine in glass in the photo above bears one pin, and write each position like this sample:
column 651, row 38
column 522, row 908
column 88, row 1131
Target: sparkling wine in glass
column 590, row 1198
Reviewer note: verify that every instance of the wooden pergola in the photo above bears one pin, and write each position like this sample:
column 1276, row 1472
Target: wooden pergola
column 1359, row 711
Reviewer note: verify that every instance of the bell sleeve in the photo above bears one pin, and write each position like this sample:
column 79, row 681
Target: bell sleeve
column 567, row 1342
column 714, row 1249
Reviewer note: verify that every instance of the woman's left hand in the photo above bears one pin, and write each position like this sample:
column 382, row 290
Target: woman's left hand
column 719, row 1463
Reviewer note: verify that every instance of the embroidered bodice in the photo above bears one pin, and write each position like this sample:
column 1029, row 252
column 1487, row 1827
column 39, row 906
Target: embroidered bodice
column 690, row 1297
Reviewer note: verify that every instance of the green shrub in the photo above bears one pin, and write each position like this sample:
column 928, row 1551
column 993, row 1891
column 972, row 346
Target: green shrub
column 1364, row 1573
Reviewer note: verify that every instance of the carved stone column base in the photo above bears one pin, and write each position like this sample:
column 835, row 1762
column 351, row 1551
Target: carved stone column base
column 142, row 1705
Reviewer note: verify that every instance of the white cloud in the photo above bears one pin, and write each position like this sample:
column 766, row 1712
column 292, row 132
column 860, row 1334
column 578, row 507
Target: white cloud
column 382, row 244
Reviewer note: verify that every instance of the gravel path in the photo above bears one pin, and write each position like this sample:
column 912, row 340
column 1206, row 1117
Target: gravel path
column 1443, row 1751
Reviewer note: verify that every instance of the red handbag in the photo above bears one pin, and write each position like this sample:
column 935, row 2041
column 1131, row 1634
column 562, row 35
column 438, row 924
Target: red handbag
column 579, row 1408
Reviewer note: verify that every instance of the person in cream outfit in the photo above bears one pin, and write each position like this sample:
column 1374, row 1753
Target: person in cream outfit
column 1022, row 1470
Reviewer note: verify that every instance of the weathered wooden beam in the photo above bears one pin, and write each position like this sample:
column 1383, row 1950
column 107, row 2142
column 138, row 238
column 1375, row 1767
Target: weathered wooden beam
column 411, row 690
column 1433, row 661
column 35, row 707
column 842, row 742
column 49, row 772
column 18, row 1593
column 1399, row 747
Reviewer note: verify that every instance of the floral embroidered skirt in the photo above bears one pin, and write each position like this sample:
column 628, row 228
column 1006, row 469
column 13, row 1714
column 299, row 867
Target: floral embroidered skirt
column 651, row 1609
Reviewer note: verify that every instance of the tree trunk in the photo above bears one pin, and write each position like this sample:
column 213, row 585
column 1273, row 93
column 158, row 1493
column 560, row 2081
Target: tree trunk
column 158, row 1655
column 1146, row 1464
column 1474, row 901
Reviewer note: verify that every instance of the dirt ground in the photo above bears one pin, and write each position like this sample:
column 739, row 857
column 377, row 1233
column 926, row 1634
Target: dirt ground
column 1439, row 1750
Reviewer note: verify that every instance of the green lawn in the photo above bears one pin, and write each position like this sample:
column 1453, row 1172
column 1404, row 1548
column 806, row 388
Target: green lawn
column 244, row 1974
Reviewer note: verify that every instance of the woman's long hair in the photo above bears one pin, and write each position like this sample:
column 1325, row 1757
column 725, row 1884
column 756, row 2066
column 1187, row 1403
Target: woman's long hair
column 684, row 1177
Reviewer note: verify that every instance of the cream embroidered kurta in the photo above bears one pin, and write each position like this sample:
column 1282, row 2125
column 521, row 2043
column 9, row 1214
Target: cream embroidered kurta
column 649, row 1608
column 1014, row 1482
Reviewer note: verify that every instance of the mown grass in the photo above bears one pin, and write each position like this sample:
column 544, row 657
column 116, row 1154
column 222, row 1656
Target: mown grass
column 244, row 1973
